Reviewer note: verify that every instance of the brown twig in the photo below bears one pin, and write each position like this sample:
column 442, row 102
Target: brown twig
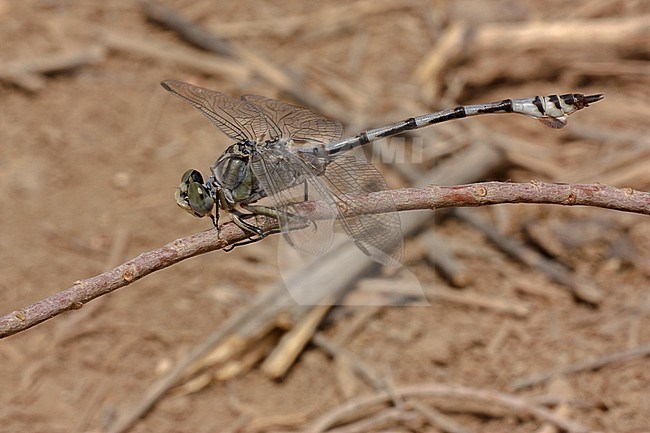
column 433, row 197
column 293, row 342
column 593, row 364
column 382, row 288
column 436, row 418
column 193, row 34
column 518, row 404
column 84, row 291
column 381, row 421
column 193, row 59
column 28, row 73
column 468, row 298
column 459, row 43
column 367, row 373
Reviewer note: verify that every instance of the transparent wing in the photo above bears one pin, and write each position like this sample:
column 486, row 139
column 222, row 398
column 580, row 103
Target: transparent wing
column 286, row 179
column 237, row 118
column 377, row 235
column 298, row 123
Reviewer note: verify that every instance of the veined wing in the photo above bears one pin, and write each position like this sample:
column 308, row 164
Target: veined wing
column 298, row 123
column 285, row 177
column 377, row 235
column 237, row 118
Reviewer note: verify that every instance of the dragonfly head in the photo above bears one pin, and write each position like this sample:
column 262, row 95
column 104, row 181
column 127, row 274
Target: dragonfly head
column 192, row 195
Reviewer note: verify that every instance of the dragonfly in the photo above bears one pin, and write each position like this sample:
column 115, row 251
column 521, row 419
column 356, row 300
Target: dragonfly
column 292, row 155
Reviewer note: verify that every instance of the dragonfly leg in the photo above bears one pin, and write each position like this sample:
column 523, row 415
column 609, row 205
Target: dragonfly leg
column 306, row 195
column 251, row 240
column 262, row 210
column 215, row 218
column 256, row 233
column 238, row 218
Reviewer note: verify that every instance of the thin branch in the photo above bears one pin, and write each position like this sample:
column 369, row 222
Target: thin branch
column 192, row 33
column 583, row 365
column 28, row 73
column 433, row 197
column 480, row 194
column 83, row 291
column 518, row 405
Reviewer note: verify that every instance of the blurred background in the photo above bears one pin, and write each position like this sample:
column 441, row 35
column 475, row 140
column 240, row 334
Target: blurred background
column 92, row 148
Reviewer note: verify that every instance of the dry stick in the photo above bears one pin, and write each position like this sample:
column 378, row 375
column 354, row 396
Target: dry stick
column 458, row 43
column 83, row 291
column 509, row 306
column 581, row 288
column 27, row 73
column 191, row 33
column 69, row 329
column 383, row 287
column 436, row 418
column 380, row 421
column 292, row 343
column 519, row 404
column 193, row 59
column 433, row 197
column 625, row 355
column 327, row 20
column 589, row 33
column 280, row 77
column 247, row 359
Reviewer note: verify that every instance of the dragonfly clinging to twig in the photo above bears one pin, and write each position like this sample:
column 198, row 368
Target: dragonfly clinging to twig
column 291, row 155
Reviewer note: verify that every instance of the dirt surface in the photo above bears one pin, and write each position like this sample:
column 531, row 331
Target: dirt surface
column 90, row 157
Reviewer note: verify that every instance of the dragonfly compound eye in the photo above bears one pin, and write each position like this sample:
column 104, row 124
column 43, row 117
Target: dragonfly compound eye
column 192, row 196
column 199, row 199
column 190, row 176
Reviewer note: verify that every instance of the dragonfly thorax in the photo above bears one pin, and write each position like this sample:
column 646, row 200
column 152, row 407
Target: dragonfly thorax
column 233, row 178
column 231, row 169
